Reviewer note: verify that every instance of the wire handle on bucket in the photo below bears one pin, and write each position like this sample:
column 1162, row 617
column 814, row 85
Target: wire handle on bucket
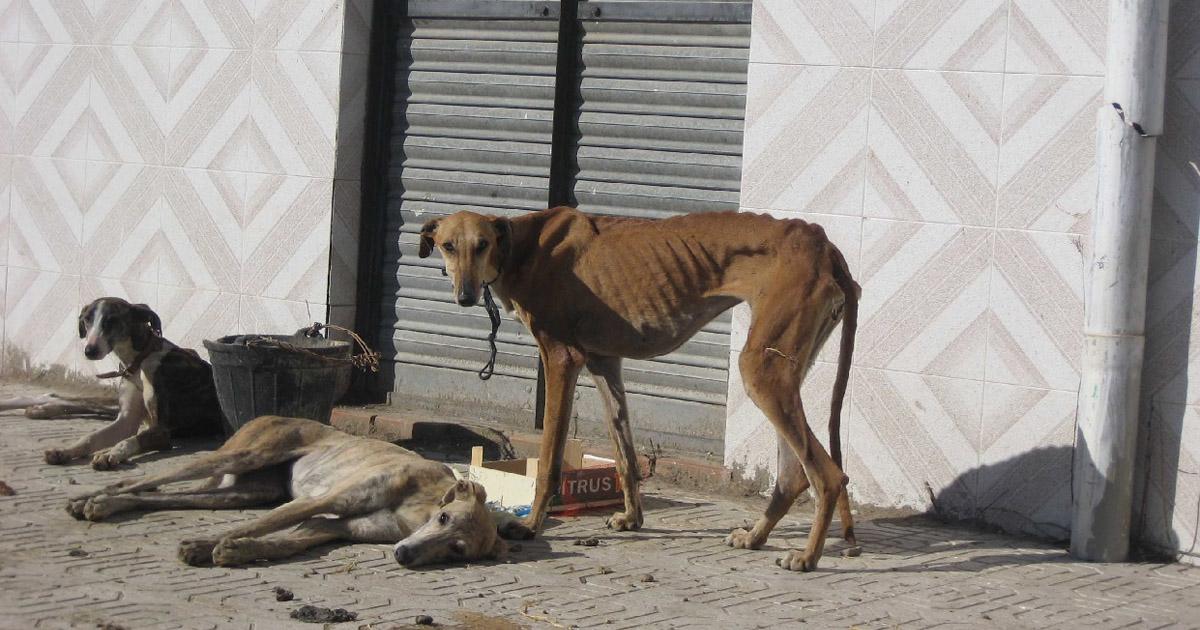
column 368, row 359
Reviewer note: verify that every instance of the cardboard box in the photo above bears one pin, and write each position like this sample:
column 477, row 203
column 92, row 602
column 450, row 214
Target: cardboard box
column 587, row 481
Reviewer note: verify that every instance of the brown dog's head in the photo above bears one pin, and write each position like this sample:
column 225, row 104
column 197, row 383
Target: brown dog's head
column 108, row 321
column 475, row 248
column 462, row 530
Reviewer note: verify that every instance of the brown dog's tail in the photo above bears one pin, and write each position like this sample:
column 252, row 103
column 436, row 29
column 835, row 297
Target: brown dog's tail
column 851, row 290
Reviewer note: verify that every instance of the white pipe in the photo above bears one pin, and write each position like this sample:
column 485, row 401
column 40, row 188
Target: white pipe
column 1128, row 123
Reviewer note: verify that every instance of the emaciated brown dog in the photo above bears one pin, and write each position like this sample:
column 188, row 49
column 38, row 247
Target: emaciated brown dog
column 593, row 290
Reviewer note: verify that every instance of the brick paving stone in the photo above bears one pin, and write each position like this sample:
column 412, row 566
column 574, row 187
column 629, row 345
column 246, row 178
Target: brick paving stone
column 913, row 573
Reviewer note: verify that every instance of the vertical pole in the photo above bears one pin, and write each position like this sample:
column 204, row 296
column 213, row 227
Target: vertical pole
column 1128, row 124
column 564, row 138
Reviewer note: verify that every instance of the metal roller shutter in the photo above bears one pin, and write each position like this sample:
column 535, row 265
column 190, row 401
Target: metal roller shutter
column 663, row 89
column 656, row 130
column 472, row 122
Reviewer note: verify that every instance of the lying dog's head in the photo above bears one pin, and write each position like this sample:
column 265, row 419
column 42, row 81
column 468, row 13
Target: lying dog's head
column 109, row 321
column 462, row 530
column 474, row 247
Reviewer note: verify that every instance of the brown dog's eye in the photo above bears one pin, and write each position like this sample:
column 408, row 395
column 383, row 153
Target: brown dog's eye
column 449, row 247
column 480, row 247
column 443, row 518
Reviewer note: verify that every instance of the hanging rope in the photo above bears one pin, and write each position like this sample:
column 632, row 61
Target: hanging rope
column 494, row 314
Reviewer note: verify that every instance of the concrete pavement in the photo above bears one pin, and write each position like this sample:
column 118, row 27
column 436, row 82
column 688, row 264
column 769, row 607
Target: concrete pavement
column 57, row 572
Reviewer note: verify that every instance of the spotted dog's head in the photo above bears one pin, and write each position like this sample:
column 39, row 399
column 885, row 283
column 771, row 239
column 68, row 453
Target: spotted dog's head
column 108, row 321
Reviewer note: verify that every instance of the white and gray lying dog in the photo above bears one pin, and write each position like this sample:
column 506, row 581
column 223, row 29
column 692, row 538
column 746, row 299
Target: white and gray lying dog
column 165, row 391
column 337, row 487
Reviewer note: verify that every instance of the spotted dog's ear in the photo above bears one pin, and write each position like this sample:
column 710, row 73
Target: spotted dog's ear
column 427, row 231
column 143, row 313
column 83, row 315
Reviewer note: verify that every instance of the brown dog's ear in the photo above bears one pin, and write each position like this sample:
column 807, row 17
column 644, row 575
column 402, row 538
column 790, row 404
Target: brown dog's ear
column 503, row 229
column 143, row 313
column 83, row 313
column 427, row 231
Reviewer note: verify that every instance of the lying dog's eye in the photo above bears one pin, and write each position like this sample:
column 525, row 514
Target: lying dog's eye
column 449, row 247
column 443, row 518
column 481, row 246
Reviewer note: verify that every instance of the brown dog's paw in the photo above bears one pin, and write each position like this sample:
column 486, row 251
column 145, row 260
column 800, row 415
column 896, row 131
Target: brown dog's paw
column 197, row 553
column 796, row 560
column 742, row 539
column 56, row 456
column 622, row 521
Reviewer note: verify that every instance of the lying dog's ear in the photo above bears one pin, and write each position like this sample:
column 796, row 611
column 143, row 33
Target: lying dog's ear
column 143, row 313
column 464, row 490
column 460, row 487
column 427, row 231
column 83, row 314
column 503, row 229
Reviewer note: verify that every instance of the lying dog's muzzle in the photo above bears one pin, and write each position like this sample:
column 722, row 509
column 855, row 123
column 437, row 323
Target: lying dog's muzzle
column 92, row 352
column 403, row 555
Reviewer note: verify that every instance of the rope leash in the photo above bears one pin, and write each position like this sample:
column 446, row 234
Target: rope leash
column 494, row 314
column 368, row 359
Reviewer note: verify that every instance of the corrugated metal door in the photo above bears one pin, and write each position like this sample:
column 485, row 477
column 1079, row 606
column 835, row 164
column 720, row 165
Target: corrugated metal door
column 663, row 90
column 657, row 128
column 473, row 116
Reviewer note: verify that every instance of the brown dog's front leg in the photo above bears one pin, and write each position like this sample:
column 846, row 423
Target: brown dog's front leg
column 562, row 366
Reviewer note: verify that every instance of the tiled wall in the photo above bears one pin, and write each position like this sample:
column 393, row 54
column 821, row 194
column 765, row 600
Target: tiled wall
column 947, row 147
column 200, row 156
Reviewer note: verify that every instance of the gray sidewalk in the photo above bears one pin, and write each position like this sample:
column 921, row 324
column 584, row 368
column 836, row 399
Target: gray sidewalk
column 57, row 572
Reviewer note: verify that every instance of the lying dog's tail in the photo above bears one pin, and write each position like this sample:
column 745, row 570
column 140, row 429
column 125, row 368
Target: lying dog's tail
column 851, row 291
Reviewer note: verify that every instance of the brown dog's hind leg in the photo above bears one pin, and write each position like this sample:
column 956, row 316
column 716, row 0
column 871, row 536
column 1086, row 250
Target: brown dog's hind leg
column 791, row 483
column 780, row 347
column 606, row 372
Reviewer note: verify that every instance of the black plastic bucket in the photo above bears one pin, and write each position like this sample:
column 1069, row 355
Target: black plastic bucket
column 258, row 375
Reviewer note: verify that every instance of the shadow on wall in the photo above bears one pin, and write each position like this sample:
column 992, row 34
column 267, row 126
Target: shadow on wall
column 1029, row 494
column 1167, row 479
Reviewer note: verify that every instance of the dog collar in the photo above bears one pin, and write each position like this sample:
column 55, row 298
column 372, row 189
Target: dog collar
column 133, row 366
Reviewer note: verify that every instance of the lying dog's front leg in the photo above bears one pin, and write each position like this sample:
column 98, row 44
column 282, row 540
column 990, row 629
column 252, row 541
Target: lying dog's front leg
column 149, row 439
column 127, row 423
column 315, row 531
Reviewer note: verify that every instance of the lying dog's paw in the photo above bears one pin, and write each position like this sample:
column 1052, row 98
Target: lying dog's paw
column 103, row 506
column 742, row 539
column 622, row 521
column 75, row 507
column 231, row 552
column 515, row 530
column 106, row 460
column 197, row 553
column 796, row 560
column 56, row 456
